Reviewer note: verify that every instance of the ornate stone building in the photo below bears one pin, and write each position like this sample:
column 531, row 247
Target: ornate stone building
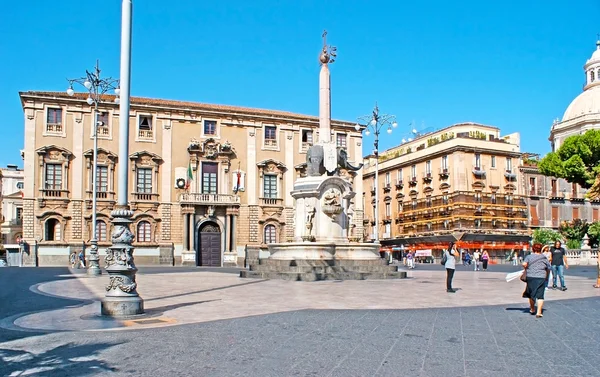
column 553, row 200
column 461, row 183
column 205, row 180
column 584, row 111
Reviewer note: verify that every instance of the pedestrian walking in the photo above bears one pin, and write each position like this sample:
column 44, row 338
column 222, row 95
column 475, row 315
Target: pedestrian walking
column 485, row 258
column 82, row 259
column 410, row 259
column 548, row 254
column 476, row 259
column 536, row 267
column 559, row 263
column 449, row 260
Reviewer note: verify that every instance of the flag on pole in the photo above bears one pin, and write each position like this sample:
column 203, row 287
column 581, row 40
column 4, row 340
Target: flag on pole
column 190, row 176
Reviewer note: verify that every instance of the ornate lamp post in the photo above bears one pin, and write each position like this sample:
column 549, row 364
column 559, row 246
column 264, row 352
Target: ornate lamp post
column 96, row 87
column 375, row 123
column 121, row 298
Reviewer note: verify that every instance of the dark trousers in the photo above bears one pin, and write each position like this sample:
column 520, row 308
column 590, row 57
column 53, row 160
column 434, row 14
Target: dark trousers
column 449, row 276
column 485, row 263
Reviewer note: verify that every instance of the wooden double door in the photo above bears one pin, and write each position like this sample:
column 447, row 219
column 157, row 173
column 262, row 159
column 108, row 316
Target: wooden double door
column 208, row 245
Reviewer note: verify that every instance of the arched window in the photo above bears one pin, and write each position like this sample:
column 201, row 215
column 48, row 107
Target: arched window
column 52, row 230
column 144, row 232
column 270, row 236
column 101, row 231
column 592, row 76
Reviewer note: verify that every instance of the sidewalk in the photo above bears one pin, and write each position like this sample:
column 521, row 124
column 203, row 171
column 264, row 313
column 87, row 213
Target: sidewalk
column 195, row 297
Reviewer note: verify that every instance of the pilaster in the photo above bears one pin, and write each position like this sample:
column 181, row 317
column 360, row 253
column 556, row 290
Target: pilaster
column 79, row 129
column 251, row 167
column 289, row 162
column 30, row 155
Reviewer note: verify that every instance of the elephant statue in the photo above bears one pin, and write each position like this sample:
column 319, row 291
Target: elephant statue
column 314, row 161
column 342, row 160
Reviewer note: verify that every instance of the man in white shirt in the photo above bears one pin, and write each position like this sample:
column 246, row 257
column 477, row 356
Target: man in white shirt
column 476, row 258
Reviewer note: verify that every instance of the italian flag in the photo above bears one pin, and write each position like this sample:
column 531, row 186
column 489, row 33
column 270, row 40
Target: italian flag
column 190, row 175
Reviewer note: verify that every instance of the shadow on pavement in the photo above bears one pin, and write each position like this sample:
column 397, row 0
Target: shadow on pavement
column 65, row 360
column 16, row 297
column 205, row 290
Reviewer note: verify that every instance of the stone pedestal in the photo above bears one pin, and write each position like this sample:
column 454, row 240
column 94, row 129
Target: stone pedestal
column 121, row 298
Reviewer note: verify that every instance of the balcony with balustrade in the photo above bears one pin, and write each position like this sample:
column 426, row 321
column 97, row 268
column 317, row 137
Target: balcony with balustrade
column 196, row 198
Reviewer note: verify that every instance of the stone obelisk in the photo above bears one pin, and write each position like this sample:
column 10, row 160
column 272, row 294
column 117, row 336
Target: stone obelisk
column 325, row 92
column 327, row 56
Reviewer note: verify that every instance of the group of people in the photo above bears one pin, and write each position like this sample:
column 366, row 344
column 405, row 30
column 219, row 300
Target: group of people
column 479, row 258
column 543, row 265
column 538, row 266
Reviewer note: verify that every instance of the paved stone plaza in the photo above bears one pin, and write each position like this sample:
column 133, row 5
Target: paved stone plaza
column 212, row 323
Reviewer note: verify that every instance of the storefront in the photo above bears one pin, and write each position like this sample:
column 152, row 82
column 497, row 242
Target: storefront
column 499, row 246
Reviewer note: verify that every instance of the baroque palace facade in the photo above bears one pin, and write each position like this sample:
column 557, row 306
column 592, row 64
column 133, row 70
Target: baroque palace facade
column 205, row 181
column 461, row 183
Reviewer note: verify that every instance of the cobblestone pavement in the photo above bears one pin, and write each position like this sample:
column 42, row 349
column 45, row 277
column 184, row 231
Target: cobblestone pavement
column 422, row 332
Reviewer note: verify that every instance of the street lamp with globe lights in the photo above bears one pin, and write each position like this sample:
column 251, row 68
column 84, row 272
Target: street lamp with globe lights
column 96, row 87
column 375, row 123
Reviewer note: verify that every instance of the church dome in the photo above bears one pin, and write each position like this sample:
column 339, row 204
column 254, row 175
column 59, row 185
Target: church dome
column 587, row 102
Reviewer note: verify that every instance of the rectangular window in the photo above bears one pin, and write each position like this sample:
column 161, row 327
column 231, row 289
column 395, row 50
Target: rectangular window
column 388, row 209
column 595, row 214
column 493, row 161
column 554, row 187
column 575, row 213
column 102, row 124
column 145, row 130
column 210, row 127
column 574, row 189
column 509, row 164
column 19, row 213
column 413, row 171
column 209, row 177
column 399, row 175
column 307, row 139
column 399, row 207
column 428, row 167
column 388, row 229
column 53, row 177
column 102, row 179
column 493, row 198
column 270, row 186
column 54, row 120
column 555, row 218
column 388, row 178
column 532, row 185
column 533, row 215
column 341, row 140
column 270, row 136
column 144, row 180
column 477, row 160
column 445, row 162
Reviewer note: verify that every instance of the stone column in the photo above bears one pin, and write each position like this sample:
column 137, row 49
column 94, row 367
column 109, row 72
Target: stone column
column 233, row 233
column 186, row 236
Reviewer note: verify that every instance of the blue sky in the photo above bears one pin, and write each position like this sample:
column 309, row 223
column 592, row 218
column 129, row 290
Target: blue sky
column 512, row 64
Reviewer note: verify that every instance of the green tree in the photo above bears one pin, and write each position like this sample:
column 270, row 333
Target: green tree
column 594, row 233
column 574, row 230
column 545, row 236
column 577, row 160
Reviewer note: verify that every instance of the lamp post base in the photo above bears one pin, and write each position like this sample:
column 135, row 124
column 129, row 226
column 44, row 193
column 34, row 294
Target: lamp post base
column 121, row 298
column 122, row 306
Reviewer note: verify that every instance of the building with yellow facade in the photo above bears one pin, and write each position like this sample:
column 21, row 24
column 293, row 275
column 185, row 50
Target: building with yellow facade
column 205, row 180
column 461, row 183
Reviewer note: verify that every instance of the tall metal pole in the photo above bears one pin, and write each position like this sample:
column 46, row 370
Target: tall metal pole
column 376, row 121
column 93, row 259
column 376, row 185
column 96, row 87
column 121, row 298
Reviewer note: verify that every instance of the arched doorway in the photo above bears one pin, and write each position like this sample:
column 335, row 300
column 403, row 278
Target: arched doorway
column 208, row 245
